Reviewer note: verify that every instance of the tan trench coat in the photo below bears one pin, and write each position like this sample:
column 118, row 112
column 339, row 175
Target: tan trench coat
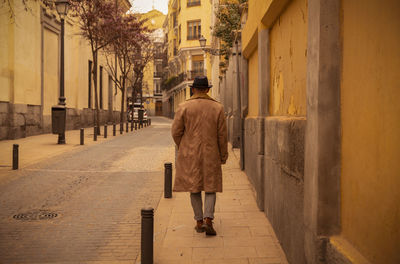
column 199, row 130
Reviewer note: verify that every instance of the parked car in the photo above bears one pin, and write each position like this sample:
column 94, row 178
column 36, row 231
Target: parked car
column 136, row 114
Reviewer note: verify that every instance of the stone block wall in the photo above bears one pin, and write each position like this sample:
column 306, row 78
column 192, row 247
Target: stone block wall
column 284, row 182
column 21, row 120
column 277, row 174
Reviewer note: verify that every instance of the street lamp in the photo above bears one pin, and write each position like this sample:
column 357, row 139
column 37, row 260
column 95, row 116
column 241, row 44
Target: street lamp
column 203, row 42
column 59, row 112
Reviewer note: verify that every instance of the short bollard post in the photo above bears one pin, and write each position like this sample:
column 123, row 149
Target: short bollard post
column 121, row 128
column 82, row 133
column 147, row 236
column 131, row 126
column 127, row 127
column 114, row 129
column 150, row 121
column 168, row 180
column 135, row 125
column 15, row 157
column 105, row 131
column 95, row 133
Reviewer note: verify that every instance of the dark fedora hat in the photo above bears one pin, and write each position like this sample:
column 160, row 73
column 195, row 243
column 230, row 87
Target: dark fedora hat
column 201, row 82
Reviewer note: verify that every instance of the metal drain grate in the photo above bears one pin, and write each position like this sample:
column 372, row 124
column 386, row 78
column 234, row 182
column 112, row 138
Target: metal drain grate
column 36, row 215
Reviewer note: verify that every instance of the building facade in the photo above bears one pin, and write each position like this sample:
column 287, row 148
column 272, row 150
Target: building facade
column 186, row 22
column 152, row 76
column 30, row 70
column 319, row 93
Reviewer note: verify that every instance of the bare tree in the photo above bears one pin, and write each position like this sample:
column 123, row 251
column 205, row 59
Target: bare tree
column 95, row 17
column 128, row 34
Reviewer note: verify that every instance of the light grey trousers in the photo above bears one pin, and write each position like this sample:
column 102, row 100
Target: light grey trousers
column 197, row 204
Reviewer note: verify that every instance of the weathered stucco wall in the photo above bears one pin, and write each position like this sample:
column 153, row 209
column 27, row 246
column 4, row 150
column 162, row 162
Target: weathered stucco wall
column 288, row 42
column 370, row 96
column 253, row 84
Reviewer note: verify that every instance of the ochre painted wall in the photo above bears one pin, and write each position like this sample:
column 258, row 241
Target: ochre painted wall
column 201, row 12
column 6, row 56
column 256, row 10
column 253, row 84
column 288, row 50
column 370, row 96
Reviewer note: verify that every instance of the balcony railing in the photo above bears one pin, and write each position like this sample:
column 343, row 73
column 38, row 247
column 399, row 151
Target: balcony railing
column 173, row 81
column 193, row 37
column 182, row 77
column 157, row 74
column 196, row 73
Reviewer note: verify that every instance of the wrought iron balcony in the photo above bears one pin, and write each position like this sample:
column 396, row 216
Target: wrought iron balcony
column 196, row 73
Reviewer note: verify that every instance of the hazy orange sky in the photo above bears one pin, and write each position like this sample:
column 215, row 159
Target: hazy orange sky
column 143, row 6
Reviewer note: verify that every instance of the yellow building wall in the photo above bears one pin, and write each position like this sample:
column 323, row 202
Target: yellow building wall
column 21, row 55
column 22, row 74
column 253, row 84
column 6, row 57
column 370, row 96
column 288, row 58
column 201, row 12
column 256, row 10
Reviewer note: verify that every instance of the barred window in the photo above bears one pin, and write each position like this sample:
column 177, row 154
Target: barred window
column 194, row 30
column 193, row 3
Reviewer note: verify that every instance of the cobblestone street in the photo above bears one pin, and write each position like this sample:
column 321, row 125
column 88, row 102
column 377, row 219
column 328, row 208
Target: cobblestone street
column 97, row 193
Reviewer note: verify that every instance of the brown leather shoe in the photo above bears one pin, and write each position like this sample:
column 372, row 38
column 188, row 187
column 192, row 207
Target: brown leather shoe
column 200, row 226
column 208, row 226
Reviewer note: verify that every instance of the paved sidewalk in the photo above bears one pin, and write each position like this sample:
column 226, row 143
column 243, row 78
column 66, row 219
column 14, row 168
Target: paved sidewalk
column 244, row 234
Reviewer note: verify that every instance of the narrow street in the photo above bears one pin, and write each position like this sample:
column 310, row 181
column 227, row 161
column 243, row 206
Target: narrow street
column 85, row 205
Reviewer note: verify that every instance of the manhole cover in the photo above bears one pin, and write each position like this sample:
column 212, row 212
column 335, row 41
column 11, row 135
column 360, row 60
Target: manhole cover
column 35, row 215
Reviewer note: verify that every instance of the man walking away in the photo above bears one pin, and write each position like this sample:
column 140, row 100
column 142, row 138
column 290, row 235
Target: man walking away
column 199, row 130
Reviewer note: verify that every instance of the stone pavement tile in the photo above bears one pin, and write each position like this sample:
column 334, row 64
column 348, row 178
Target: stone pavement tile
column 207, row 253
column 249, row 241
column 265, row 261
column 180, row 231
column 229, row 215
column 171, row 261
column 173, row 241
column 260, row 231
column 204, row 241
column 222, row 261
column 174, row 253
column 239, row 252
column 269, row 251
column 235, row 231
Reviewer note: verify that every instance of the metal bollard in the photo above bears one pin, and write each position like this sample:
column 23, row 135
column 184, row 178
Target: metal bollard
column 168, row 180
column 15, row 157
column 121, row 128
column 105, row 131
column 82, row 133
column 131, row 125
column 150, row 121
column 147, row 235
column 95, row 133
column 127, row 127
column 135, row 125
column 114, row 129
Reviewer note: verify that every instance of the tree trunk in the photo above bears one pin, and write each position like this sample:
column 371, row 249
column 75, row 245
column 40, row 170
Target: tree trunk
column 122, row 101
column 96, row 101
